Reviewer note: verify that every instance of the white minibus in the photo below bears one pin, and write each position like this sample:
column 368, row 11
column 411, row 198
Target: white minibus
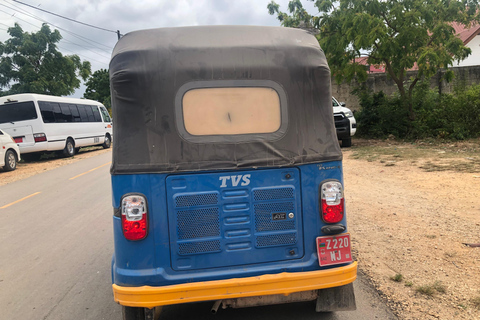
column 41, row 123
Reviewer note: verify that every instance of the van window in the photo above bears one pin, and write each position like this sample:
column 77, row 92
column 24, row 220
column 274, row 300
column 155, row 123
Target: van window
column 91, row 117
column 46, row 109
column 106, row 116
column 18, row 111
column 96, row 114
column 83, row 113
column 231, row 111
column 75, row 114
column 66, row 113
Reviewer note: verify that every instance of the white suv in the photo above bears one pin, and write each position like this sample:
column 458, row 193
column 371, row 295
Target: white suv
column 9, row 152
column 345, row 122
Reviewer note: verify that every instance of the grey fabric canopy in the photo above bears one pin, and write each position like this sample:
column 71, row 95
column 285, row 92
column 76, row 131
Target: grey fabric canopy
column 152, row 70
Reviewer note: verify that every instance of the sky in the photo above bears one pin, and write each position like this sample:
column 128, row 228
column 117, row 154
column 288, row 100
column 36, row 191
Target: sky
column 96, row 45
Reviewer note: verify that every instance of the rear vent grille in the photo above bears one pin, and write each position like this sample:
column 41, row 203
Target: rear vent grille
column 264, row 220
column 200, row 223
column 196, row 200
column 199, row 247
column 273, row 194
column 276, row 240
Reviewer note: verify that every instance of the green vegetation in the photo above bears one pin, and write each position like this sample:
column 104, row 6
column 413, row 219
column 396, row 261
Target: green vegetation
column 30, row 62
column 98, row 88
column 431, row 289
column 397, row 278
column 453, row 116
column 399, row 35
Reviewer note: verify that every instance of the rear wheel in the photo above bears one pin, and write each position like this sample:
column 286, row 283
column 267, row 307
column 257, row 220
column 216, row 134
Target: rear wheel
column 107, row 142
column 10, row 161
column 133, row 313
column 346, row 143
column 69, row 150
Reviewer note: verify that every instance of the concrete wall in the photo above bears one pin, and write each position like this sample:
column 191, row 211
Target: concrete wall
column 380, row 82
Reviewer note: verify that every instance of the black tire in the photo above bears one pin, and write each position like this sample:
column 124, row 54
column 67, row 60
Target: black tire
column 29, row 157
column 107, row 142
column 10, row 161
column 133, row 313
column 347, row 143
column 69, row 150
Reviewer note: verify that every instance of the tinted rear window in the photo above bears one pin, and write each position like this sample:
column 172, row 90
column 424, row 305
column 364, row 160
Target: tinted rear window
column 18, row 111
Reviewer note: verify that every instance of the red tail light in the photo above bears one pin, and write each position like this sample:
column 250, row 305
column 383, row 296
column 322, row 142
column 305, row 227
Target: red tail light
column 331, row 195
column 134, row 217
column 39, row 137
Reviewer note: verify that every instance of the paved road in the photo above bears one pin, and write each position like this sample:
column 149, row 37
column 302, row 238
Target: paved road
column 56, row 247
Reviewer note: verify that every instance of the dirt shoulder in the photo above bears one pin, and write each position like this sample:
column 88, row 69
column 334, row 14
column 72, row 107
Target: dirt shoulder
column 25, row 170
column 410, row 221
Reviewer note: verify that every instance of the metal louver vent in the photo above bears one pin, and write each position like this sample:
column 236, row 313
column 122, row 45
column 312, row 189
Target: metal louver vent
column 273, row 194
column 199, row 223
column 263, row 216
column 199, row 247
column 196, row 200
column 276, row 240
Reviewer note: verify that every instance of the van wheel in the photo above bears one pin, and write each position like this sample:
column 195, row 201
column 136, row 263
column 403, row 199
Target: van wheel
column 10, row 161
column 346, row 143
column 69, row 150
column 108, row 142
column 133, row 313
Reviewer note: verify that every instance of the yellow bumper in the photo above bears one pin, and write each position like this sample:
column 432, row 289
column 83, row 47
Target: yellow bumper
column 283, row 283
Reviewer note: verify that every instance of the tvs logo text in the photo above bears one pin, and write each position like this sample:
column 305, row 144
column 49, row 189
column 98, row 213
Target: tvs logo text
column 234, row 181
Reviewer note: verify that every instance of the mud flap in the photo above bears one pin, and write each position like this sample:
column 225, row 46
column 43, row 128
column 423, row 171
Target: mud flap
column 336, row 299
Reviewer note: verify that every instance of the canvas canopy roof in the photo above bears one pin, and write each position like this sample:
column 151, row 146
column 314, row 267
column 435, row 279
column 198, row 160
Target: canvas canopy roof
column 220, row 97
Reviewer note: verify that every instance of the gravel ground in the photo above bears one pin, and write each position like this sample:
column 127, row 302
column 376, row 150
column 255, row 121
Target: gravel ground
column 411, row 223
column 406, row 222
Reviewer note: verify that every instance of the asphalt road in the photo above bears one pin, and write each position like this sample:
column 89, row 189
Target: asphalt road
column 56, row 247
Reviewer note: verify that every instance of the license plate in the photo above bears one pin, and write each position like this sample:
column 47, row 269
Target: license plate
column 334, row 249
column 18, row 139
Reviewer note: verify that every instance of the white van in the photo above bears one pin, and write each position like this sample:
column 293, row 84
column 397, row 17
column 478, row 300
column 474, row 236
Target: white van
column 40, row 123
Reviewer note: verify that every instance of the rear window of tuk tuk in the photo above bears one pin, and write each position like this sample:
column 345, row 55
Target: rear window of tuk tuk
column 231, row 111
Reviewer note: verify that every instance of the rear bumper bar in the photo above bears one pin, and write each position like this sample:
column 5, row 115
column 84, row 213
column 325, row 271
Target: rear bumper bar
column 282, row 283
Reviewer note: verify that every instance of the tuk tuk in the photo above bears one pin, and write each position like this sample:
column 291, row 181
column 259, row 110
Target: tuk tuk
column 227, row 173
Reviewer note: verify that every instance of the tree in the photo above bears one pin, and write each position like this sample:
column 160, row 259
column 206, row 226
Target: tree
column 31, row 63
column 400, row 35
column 98, row 88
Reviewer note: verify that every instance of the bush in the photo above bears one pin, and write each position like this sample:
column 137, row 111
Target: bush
column 451, row 116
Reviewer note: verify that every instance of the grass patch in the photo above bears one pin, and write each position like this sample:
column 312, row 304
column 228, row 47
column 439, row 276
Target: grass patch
column 476, row 302
column 429, row 155
column 431, row 289
column 409, row 284
column 439, row 287
column 426, row 290
column 397, row 278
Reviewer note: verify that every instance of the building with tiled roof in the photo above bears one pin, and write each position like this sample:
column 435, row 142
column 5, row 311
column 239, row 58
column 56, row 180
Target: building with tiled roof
column 470, row 37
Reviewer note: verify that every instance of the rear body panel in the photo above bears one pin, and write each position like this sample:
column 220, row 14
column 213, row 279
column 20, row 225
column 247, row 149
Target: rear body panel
column 234, row 218
column 235, row 223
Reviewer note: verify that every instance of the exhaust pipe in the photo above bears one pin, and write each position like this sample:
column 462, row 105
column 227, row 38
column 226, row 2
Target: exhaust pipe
column 215, row 306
